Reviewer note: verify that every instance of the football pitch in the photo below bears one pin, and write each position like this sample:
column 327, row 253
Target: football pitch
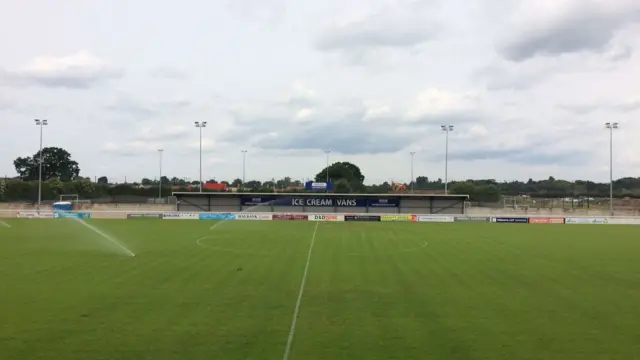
column 375, row 291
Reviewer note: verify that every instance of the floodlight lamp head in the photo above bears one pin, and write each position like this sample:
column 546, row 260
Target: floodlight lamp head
column 614, row 125
column 204, row 124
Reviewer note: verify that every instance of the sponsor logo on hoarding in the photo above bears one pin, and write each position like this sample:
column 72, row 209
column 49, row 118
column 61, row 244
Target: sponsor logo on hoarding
column 624, row 221
column 586, row 220
column 181, row 216
column 290, row 217
column 362, row 218
column 70, row 215
column 471, row 219
column 311, row 201
column 546, row 220
column 322, row 217
column 244, row 216
column 431, row 218
column 209, row 216
column 510, row 220
column 144, row 216
column 396, row 218
column 36, row 215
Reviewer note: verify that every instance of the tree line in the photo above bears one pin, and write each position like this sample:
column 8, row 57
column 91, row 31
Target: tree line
column 61, row 175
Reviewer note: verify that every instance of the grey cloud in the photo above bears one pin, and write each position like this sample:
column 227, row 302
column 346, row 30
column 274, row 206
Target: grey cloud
column 583, row 109
column 408, row 26
column 499, row 78
column 142, row 110
column 585, row 28
column 525, row 156
column 69, row 79
column 353, row 138
column 628, row 106
column 168, row 73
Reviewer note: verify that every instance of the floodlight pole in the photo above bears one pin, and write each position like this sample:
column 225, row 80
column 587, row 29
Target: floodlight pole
column 412, row 178
column 446, row 129
column 327, row 170
column 244, row 166
column 41, row 124
column 200, row 125
column 611, row 127
column 160, row 178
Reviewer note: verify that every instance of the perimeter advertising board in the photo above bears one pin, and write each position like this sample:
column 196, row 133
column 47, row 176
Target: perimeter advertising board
column 215, row 216
column 180, row 216
column 326, row 217
column 471, row 219
column 435, row 218
column 246, row 216
column 36, row 214
column 546, row 220
column 144, row 216
column 290, row 217
column 510, row 220
column 586, row 220
column 362, row 218
column 397, row 218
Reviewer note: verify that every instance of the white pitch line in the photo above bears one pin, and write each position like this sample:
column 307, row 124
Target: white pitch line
column 296, row 311
column 4, row 224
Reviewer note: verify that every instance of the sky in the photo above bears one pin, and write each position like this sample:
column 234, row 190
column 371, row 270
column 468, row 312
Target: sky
column 527, row 84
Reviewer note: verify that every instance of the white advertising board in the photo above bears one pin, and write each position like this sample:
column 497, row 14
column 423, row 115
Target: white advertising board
column 36, row 215
column 587, row 220
column 180, row 216
column 434, row 218
column 246, row 216
column 326, row 217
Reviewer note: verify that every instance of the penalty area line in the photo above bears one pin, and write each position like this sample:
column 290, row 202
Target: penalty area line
column 296, row 311
column 2, row 223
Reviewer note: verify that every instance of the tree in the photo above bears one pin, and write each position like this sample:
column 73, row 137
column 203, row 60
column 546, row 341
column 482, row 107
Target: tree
column 345, row 171
column 146, row 182
column 56, row 164
column 236, row 182
column 103, row 180
column 253, row 184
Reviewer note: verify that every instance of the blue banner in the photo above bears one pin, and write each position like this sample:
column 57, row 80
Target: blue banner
column 332, row 201
column 70, row 215
column 318, row 186
column 217, row 217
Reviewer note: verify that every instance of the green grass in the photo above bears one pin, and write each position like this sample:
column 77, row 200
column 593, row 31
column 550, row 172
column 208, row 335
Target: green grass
column 375, row 291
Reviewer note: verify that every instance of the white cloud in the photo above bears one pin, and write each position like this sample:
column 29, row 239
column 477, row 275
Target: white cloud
column 78, row 70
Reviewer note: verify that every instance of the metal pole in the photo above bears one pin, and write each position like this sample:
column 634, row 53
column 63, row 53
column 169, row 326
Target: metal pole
column 611, row 127
column 244, row 166
column 40, row 169
column 611, row 171
column 160, row 178
column 446, row 164
column 200, row 158
column 412, row 178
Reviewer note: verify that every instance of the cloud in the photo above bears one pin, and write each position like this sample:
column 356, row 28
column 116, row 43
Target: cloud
column 580, row 109
column 351, row 127
column 145, row 109
column 400, row 26
column 81, row 70
column 630, row 105
column 556, row 27
column 526, row 156
column 168, row 73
